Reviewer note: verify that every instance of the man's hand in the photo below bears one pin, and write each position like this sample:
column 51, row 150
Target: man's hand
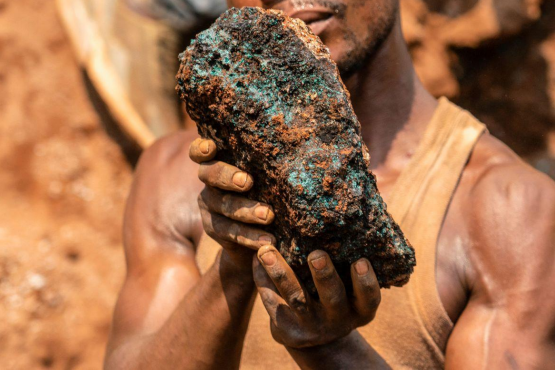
column 300, row 321
column 228, row 217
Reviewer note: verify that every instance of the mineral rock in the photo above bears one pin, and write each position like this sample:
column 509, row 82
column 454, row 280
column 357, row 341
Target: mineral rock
column 264, row 88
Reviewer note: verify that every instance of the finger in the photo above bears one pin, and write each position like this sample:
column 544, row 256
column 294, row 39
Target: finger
column 331, row 289
column 224, row 176
column 236, row 207
column 366, row 288
column 224, row 229
column 268, row 293
column 283, row 278
column 202, row 150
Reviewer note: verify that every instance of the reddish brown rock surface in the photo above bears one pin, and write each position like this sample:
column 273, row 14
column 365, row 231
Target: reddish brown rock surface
column 265, row 89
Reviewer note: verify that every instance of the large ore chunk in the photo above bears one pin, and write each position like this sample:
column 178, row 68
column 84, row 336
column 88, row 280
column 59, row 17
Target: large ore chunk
column 263, row 87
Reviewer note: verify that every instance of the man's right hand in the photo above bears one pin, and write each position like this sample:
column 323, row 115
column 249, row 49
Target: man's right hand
column 227, row 216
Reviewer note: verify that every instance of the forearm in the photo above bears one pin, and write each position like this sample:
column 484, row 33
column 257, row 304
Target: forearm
column 206, row 330
column 350, row 352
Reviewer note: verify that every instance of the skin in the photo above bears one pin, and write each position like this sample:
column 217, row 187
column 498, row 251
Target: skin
column 495, row 251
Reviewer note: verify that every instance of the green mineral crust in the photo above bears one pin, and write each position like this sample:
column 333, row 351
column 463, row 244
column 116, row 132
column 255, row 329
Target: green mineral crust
column 263, row 87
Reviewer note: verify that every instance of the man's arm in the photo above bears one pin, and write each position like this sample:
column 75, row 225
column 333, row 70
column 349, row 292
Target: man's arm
column 167, row 315
column 169, row 318
column 509, row 322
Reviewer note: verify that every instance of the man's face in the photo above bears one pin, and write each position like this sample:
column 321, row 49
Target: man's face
column 351, row 29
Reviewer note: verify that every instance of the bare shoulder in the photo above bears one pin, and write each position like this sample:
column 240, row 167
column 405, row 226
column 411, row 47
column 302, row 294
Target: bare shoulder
column 163, row 199
column 503, row 182
column 169, row 148
column 511, row 219
column 169, row 158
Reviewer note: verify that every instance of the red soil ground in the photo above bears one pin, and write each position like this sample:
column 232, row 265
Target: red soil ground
column 63, row 184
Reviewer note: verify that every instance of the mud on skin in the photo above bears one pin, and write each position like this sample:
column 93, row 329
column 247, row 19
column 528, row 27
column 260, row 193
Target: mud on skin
column 264, row 88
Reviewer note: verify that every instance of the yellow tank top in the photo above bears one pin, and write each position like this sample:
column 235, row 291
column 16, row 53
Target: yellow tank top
column 411, row 327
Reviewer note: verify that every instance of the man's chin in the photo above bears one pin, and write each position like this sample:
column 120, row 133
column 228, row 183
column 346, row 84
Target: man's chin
column 349, row 54
column 348, row 65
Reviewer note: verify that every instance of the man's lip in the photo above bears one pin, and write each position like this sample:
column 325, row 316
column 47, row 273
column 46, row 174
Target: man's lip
column 310, row 14
column 316, row 18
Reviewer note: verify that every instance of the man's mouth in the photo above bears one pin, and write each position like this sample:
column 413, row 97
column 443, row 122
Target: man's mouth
column 316, row 19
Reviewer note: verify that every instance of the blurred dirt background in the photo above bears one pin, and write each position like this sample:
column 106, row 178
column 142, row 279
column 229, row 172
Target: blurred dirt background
column 63, row 180
column 63, row 183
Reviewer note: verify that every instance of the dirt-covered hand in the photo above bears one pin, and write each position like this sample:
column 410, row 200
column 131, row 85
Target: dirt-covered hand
column 228, row 217
column 299, row 320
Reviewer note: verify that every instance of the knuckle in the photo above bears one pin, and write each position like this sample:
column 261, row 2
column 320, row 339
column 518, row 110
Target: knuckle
column 206, row 220
column 233, row 233
column 371, row 286
column 201, row 199
column 266, row 296
column 221, row 174
column 367, row 313
column 376, row 300
column 276, row 332
column 297, row 301
column 278, row 275
column 335, row 301
column 373, row 298
column 326, row 275
column 259, row 280
column 245, row 240
column 226, row 204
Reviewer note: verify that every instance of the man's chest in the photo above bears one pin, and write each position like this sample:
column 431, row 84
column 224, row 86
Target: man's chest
column 451, row 262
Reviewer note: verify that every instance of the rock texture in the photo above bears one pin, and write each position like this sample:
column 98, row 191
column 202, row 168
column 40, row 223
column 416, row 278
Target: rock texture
column 53, row 263
column 264, row 88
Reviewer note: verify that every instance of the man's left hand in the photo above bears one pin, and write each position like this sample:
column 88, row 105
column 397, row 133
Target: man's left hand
column 299, row 320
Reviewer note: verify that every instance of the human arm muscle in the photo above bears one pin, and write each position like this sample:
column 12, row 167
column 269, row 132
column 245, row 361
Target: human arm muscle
column 509, row 321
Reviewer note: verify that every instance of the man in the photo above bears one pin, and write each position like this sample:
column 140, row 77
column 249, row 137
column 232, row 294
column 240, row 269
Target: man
column 482, row 223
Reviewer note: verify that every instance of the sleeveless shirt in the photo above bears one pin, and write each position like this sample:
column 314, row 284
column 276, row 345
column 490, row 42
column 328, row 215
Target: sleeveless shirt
column 411, row 327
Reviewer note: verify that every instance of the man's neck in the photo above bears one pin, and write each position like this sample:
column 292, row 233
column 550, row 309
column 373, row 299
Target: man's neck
column 392, row 105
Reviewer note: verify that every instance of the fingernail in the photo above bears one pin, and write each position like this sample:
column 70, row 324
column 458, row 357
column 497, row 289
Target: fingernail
column 319, row 263
column 362, row 267
column 205, row 147
column 269, row 258
column 261, row 212
column 265, row 240
column 240, row 179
